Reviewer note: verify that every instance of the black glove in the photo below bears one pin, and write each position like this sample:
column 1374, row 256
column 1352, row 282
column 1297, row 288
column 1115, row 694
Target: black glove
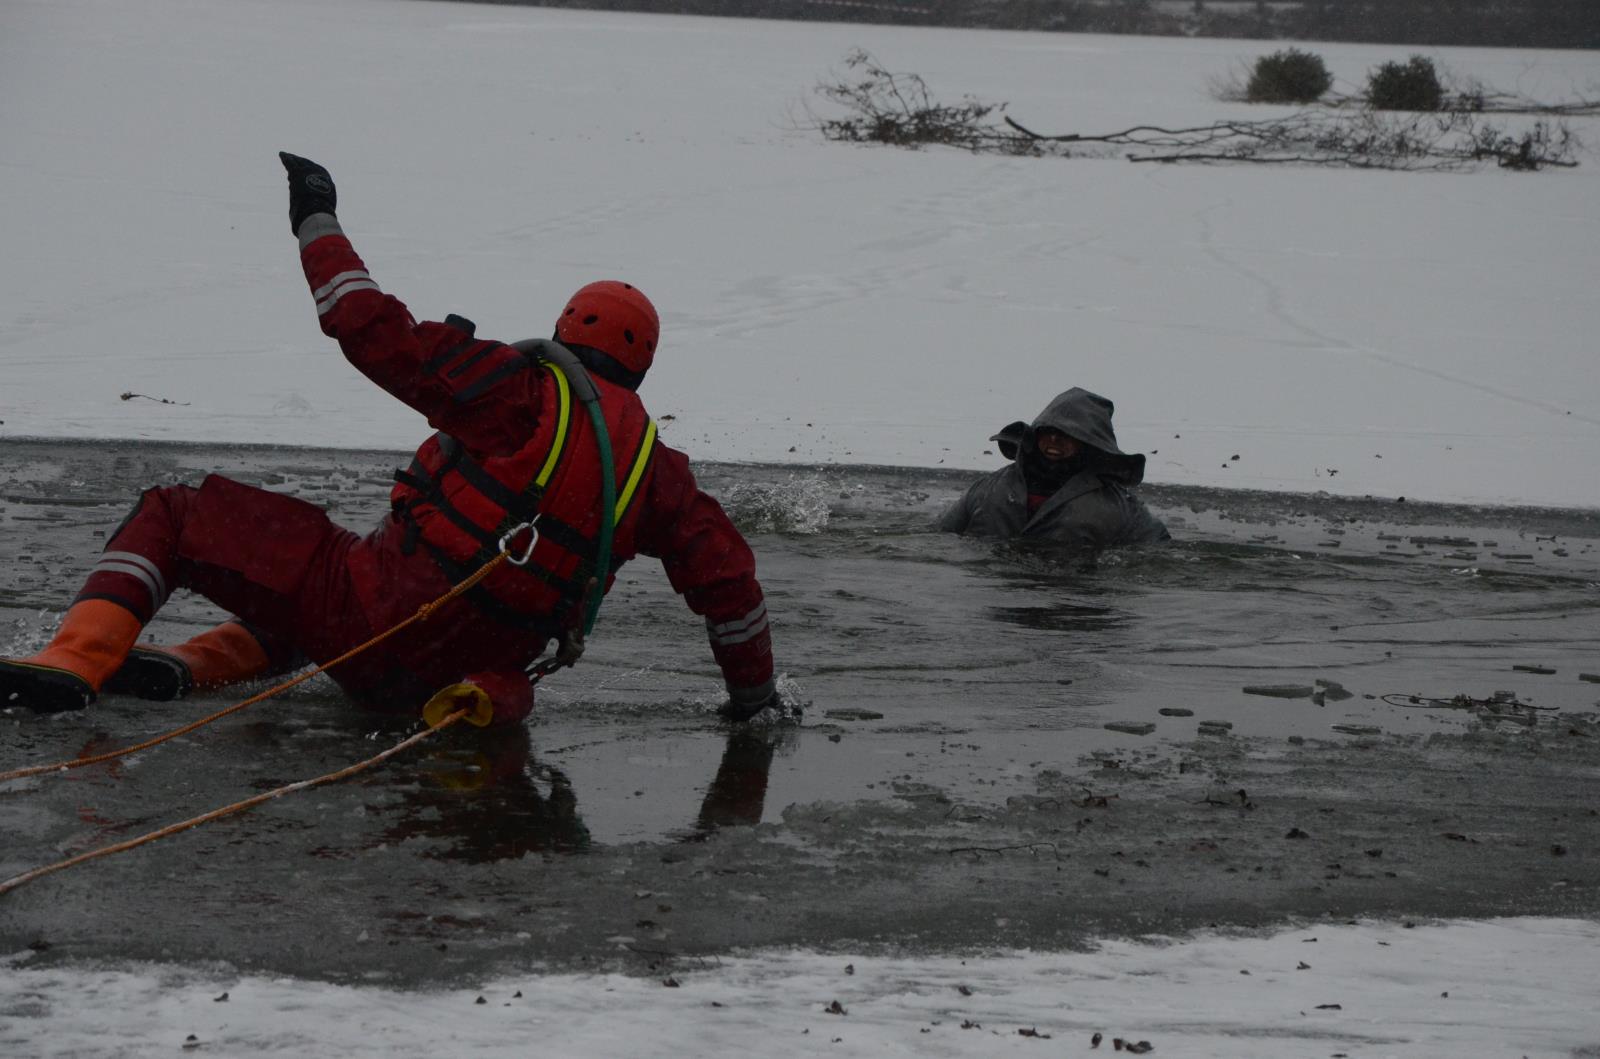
column 310, row 189
column 745, row 703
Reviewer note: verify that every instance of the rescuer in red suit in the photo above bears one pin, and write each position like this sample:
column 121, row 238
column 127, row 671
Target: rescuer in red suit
column 515, row 444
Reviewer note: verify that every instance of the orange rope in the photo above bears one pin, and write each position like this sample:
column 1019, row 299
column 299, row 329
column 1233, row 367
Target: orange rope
column 423, row 613
column 229, row 810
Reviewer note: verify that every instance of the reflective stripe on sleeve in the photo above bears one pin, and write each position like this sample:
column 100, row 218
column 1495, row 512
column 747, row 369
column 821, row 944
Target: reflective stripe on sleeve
column 750, row 626
column 316, row 226
column 328, row 295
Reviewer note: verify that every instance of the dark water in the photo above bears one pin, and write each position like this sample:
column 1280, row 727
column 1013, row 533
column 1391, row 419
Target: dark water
column 931, row 670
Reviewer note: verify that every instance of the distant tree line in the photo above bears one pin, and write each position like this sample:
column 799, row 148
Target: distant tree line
column 1497, row 23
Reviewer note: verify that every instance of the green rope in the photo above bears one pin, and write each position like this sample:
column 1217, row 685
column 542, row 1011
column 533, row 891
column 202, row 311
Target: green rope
column 608, row 503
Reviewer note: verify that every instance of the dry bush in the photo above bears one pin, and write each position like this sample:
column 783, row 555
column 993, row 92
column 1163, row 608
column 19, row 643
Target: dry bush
column 1456, row 93
column 1411, row 85
column 1288, row 76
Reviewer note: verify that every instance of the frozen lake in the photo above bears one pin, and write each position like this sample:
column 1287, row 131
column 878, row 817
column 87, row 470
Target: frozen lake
column 844, row 327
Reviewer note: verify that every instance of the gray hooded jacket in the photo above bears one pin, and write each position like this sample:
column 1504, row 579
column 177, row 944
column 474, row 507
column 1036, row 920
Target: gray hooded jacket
column 1094, row 508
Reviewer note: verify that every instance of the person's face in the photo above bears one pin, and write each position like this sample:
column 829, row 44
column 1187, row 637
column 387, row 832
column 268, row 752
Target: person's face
column 1054, row 445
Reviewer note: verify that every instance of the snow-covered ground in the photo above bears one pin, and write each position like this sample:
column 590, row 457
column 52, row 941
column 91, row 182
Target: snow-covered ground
column 1424, row 335
column 1362, row 332
column 1501, row 988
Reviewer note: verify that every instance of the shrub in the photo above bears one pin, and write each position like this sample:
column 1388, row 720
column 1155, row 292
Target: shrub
column 1288, row 76
column 1412, row 85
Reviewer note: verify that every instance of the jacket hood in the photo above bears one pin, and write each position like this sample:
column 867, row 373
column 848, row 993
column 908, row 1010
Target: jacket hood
column 1086, row 417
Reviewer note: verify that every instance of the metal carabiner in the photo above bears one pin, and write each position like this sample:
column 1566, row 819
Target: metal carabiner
column 543, row 668
column 569, row 648
column 527, row 553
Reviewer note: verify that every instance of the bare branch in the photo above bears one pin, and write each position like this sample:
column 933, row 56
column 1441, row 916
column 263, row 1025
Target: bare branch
column 898, row 109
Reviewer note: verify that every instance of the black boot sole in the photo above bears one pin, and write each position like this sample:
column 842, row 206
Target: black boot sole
column 41, row 688
column 152, row 675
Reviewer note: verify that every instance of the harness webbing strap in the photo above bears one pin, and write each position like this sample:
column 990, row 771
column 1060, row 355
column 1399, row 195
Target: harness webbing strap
column 567, row 538
column 561, row 361
column 520, row 506
column 485, row 601
column 431, row 490
column 593, row 553
column 641, row 460
column 563, row 425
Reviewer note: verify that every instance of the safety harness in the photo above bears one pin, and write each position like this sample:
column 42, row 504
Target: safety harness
column 524, row 513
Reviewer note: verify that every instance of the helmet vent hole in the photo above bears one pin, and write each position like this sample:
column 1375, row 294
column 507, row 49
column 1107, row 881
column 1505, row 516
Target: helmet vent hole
column 650, row 347
column 627, row 334
column 570, row 311
column 591, row 319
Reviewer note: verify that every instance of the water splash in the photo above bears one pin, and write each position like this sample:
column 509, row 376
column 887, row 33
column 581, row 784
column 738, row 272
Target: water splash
column 799, row 504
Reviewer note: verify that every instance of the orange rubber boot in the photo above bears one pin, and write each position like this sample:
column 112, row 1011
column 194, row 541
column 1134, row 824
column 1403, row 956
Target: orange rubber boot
column 94, row 639
column 219, row 656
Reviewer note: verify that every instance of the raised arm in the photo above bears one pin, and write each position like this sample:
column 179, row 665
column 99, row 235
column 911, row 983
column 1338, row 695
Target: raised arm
column 480, row 392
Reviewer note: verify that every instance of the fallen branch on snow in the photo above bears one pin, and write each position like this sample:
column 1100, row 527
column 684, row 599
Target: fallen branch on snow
column 1361, row 140
column 899, row 110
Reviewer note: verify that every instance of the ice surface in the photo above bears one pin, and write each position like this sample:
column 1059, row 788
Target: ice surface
column 1357, row 332
column 1501, row 987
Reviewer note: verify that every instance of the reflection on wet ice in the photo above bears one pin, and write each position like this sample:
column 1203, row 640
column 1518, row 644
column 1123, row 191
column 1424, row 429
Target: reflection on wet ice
column 492, row 799
column 1062, row 617
column 489, row 800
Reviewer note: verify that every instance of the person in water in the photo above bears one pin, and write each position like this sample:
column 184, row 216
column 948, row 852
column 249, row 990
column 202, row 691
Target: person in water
column 1067, row 483
column 513, row 453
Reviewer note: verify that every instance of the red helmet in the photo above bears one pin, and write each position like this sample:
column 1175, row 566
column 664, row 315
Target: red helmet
column 615, row 318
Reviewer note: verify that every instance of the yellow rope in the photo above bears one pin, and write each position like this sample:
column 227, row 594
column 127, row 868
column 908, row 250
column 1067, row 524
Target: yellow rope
column 423, row 613
column 229, row 810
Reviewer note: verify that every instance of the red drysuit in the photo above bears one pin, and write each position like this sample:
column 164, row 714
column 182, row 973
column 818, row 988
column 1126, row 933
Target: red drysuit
column 281, row 565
